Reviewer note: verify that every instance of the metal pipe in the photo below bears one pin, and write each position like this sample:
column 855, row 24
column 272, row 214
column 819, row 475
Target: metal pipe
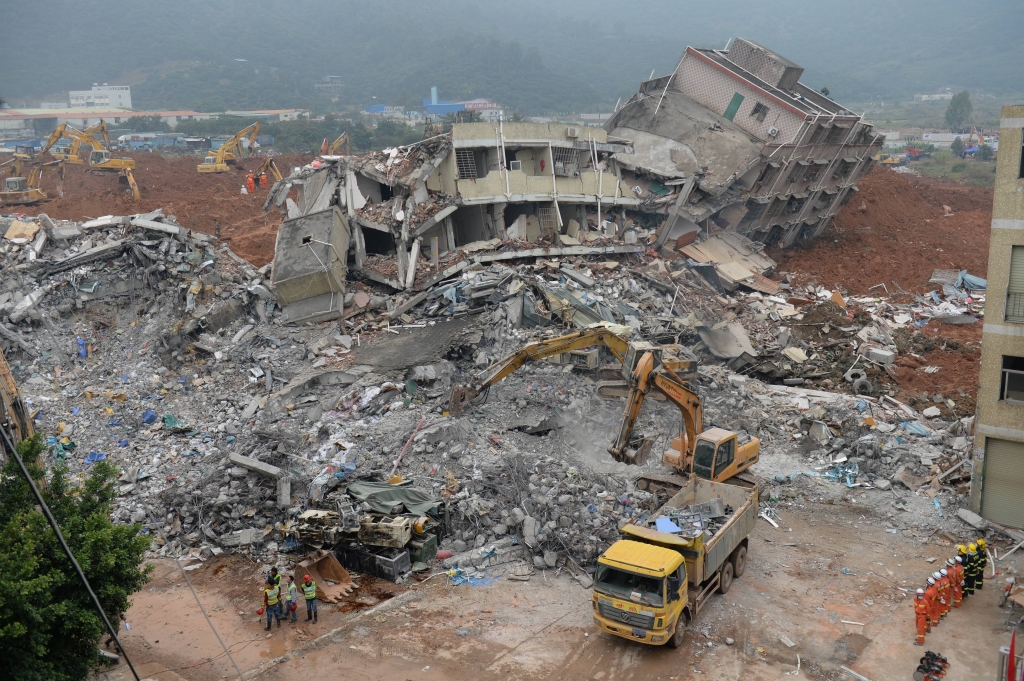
column 67, row 550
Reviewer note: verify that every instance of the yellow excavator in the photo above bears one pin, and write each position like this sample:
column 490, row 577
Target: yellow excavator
column 23, row 189
column 86, row 149
column 230, row 152
column 14, row 415
column 715, row 454
column 271, row 167
column 332, row 148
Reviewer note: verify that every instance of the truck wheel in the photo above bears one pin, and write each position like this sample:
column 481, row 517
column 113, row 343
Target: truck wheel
column 679, row 633
column 739, row 561
column 725, row 582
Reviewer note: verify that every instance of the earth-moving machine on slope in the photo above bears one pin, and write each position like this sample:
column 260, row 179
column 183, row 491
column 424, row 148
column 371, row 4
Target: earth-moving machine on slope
column 14, row 415
column 714, row 454
column 86, row 149
column 231, row 151
column 332, row 148
column 271, row 167
column 24, row 189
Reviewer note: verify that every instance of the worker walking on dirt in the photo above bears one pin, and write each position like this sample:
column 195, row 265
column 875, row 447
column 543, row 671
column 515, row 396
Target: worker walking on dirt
column 292, row 592
column 309, row 591
column 272, row 602
column 956, row 580
column 931, row 594
column 263, row 180
column 979, row 582
column 921, row 615
column 970, row 569
column 250, row 182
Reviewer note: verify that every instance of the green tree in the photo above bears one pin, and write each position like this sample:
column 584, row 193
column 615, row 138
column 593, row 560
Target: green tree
column 959, row 110
column 148, row 124
column 49, row 630
column 984, row 153
column 825, row 91
column 957, row 147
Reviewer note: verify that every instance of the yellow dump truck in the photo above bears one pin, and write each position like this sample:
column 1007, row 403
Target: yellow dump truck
column 651, row 583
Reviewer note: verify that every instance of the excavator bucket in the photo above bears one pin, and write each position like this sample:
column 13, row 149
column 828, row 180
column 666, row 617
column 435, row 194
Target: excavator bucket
column 333, row 582
column 461, row 396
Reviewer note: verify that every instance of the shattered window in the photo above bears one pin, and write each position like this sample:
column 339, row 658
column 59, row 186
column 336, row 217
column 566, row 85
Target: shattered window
column 1012, row 384
column 759, row 112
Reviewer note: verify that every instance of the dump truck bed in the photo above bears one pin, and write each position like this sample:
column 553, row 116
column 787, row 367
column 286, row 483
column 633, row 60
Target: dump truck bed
column 705, row 561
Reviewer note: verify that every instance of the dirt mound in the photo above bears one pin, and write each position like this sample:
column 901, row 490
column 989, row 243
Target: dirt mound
column 198, row 201
column 894, row 230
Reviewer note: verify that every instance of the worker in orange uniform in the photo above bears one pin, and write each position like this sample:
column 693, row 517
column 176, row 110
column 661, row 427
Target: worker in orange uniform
column 250, row 183
column 945, row 591
column 263, row 180
column 921, row 613
column 931, row 594
column 956, row 580
column 961, row 555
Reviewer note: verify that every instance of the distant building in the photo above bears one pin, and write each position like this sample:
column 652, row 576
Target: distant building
column 270, row 114
column 941, row 97
column 109, row 96
column 53, row 105
column 328, row 84
column 997, row 471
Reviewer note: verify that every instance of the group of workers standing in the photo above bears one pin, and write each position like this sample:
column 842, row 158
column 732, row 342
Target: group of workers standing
column 252, row 179
column 948, row 587
column 276, row 598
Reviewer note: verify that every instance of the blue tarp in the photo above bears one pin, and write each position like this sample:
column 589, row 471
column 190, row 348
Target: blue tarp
column 666, row 525
column 969, row 281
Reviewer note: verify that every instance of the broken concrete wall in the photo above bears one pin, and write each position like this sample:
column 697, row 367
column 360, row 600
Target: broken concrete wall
column 310, row 256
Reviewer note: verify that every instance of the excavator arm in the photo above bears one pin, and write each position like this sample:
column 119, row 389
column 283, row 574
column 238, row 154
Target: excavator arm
column 271, row 167
column 54, row 137
column 645, row 377
column 14, row 415
column 232, row 148
column 461, row 394
column 336, row 144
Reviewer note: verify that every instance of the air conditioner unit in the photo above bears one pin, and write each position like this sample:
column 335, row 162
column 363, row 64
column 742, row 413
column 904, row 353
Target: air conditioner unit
column 515, row 165
column 773, row 131
column 572, row 132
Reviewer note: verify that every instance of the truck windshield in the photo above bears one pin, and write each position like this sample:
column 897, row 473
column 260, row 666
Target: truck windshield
column 624, row 584
column 703, row 459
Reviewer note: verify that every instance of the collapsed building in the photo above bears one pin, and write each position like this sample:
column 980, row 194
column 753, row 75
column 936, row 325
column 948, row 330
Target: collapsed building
column 732, row 140
column 729, row 143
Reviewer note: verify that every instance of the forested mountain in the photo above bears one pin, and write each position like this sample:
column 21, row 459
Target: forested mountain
column 534, row 55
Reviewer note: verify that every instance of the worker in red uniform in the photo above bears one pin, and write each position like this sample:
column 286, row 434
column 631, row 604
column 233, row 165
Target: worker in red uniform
column 956, row 580
column 921, row 614
column 931, row 594
column 946, row 591
column 250, row 183
column 263, row 180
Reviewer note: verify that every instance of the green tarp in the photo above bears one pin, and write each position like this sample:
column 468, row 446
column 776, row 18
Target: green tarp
column 383, row 497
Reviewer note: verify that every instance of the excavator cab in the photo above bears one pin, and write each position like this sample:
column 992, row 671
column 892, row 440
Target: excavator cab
column 98, row 157
column 26, row 152
column 720, row 454
column 210, row 160
column 15, row 184
column 675, row 359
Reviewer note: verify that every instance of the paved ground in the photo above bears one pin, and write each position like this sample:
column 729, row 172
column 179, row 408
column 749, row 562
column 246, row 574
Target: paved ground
column 794, row 586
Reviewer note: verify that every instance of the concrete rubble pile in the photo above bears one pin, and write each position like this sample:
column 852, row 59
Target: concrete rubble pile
column 237, row 428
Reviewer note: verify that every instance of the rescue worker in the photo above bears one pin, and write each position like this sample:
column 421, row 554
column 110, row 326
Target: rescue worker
column 970, row 569
column 921, row 613
column 961, row 554
column 956, row 580
column 250, row 183
column 940, row 597
column 982, row 564
column 945, row 591
column 263, row 180
column 292, row 592
column 931, row 595
column 275, row 577
column 272, row 602
column 309, row 591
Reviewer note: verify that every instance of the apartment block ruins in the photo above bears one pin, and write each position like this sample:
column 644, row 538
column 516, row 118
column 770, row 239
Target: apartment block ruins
column 730, row 142
column 742, row 145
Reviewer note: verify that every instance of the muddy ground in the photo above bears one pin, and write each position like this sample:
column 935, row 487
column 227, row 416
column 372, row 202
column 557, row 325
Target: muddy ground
column 805, row 581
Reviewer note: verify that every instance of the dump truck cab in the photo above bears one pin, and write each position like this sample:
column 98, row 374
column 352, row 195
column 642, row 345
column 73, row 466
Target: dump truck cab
column 640, row 592
column 720, row 454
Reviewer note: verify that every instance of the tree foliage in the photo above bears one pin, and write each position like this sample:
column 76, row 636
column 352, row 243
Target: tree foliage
column 957, row 147
column 49, row 629
column 959, row 111
column 152, row 123
column 984, row 153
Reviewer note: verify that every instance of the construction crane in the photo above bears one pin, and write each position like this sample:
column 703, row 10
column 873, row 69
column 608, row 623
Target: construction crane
column 332, row 148
column 23, row 190
column 230, row 152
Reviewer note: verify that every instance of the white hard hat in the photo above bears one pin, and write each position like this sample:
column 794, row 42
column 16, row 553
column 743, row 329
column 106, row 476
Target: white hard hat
column 944, row 572
column 920, row 592
column 937, row 575
column 931, row 580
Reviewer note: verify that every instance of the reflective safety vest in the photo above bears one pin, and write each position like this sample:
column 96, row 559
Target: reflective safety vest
column 272, row 595
column 309, row 590
column 291, row 591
